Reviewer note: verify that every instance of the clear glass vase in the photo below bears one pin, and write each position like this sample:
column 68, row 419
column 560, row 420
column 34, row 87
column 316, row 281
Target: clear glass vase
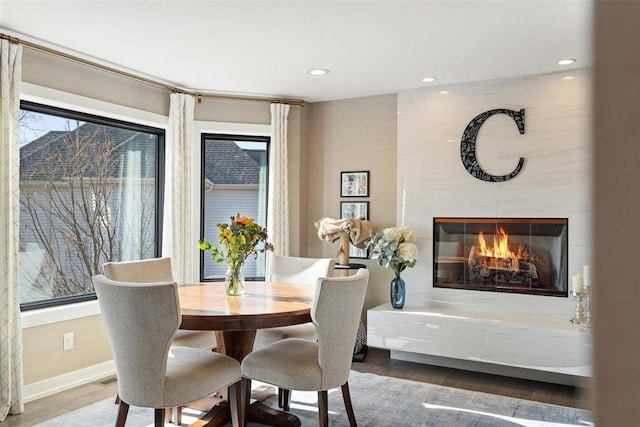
column 234, row 280
column 397, row 292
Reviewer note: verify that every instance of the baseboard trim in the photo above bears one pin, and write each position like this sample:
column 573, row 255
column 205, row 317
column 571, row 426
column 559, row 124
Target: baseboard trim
column 495, row 369
column 67, row 381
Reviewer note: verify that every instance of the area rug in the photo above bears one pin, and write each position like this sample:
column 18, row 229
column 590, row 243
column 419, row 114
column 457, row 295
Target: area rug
column 378, row 402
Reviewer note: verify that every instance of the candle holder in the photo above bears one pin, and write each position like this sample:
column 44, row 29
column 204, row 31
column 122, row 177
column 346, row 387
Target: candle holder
column 579, row 316
column 587, row 306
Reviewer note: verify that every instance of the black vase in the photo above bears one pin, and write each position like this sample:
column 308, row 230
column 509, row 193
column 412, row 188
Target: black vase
column 397, row 292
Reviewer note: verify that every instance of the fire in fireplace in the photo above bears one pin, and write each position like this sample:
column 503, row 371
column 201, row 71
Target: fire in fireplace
column 522, row 255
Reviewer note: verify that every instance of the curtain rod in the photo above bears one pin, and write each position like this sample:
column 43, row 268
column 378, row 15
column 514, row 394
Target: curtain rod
column 150, row 82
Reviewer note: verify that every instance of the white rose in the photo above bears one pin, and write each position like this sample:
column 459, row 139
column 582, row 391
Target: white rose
column 393, row 232
column 408, row 251
column 409, row 235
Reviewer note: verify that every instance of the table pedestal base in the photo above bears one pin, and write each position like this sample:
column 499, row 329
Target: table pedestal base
column 238, row 344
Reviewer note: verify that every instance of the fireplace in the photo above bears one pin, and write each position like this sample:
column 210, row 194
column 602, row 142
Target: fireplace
column 518, row 255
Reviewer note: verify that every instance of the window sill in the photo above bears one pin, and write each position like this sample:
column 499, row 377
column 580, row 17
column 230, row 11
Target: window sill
column 61, row 313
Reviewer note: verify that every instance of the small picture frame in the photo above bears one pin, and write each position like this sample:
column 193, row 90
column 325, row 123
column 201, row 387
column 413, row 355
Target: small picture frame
column 354, row 184
column 356, row 210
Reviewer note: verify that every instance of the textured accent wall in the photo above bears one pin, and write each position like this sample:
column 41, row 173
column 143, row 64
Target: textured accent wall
column 555, row 180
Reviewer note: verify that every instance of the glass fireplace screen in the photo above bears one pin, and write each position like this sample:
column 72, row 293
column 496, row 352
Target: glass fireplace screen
column 522, row 255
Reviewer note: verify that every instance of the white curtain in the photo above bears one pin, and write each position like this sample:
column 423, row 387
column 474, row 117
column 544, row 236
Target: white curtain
column 278, row 216
column 11, row 380
column 177, row 240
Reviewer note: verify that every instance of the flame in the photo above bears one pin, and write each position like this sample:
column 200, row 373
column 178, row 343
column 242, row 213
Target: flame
column 500, row 248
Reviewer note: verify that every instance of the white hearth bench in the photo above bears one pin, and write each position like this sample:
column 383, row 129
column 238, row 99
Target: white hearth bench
column 537, row 347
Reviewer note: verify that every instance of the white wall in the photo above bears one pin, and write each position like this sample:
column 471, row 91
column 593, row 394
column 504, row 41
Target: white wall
column 554, row 182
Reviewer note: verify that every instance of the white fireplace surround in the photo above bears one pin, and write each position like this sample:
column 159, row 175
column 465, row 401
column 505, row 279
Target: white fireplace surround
column 519, row 335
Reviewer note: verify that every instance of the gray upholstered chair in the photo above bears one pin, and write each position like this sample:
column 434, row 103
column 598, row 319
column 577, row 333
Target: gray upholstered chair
column 152, row 271
column 156, row 270
column 299, row 364
column 141, row 320
column 302, row 271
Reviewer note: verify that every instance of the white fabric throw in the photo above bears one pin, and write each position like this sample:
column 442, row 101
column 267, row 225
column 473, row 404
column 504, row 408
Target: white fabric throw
column 329, row 229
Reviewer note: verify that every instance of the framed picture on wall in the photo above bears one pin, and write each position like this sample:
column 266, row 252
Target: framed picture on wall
column 355, row 210
column 354, row 184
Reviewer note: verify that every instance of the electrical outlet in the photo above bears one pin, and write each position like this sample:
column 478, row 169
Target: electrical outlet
column 67, row 343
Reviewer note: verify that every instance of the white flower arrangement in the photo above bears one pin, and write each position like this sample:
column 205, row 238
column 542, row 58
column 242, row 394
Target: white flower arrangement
column 394, row 248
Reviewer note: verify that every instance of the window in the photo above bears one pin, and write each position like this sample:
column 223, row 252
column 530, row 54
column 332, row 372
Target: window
column 234, row 180
column 90, row 192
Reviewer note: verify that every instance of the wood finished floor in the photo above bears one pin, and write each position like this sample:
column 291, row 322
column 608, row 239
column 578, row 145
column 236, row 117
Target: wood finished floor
column 377, row 362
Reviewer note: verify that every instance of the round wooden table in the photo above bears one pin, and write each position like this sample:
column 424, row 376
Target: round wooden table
column 235, row 319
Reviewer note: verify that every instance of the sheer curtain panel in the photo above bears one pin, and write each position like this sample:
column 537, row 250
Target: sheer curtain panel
column 177, row 240
column 11, row 380
column 278, row 216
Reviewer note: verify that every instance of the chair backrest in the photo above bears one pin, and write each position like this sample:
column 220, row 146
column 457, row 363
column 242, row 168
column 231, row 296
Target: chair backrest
column 304, row 271
column 143, row 271
column 141, row 320
column 337, row 306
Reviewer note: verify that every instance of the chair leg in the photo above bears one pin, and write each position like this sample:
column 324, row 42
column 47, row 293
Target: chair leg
column 239, row 396
column 346, row 396
column 173, row 415
column 123, row 410
column 284, row 399
column 178, row 412
column 323, row 408
column 159, row 417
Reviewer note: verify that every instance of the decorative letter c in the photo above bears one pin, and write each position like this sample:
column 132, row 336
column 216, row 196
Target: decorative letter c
column 468, row 145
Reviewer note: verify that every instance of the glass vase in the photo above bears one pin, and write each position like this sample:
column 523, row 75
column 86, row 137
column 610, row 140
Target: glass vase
column 234, row 280
column 397, row 292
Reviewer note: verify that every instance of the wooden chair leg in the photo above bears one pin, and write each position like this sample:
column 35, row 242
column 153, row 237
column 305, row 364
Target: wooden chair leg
column 284, row 399
column 117, row 402
column 168, row 415
column 323, row 408
column 159, row 417
column 239, row 396
column 123, row 410
column 346, row 396
column 178, row 412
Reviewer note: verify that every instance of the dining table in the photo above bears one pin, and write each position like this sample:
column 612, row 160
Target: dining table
column 235, row 320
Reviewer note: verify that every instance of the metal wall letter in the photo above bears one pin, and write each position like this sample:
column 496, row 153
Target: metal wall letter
column 468, row 145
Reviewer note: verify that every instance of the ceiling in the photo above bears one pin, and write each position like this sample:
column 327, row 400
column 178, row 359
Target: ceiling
column 265, row 48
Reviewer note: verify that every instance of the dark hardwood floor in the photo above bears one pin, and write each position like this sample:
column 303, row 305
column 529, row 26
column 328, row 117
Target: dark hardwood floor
column 376, row 362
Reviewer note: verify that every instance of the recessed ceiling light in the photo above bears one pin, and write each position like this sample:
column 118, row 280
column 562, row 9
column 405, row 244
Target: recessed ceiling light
column 567, row 61
column 428, row 79
column 568, row 78
column 444, row 92
column 318, row 71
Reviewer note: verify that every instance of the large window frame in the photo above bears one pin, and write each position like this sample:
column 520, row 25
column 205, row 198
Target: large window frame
column 204, row 136
column 72, row 114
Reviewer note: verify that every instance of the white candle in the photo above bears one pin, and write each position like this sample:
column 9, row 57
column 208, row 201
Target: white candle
column 586, row 273
column 577, row 283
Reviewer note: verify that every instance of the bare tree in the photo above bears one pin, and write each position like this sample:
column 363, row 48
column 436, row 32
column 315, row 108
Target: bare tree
column 72, row 194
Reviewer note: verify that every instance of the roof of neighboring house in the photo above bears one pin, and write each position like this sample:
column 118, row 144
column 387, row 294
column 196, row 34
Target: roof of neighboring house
column 74, row 153
column 70, row 152
column 226, row 163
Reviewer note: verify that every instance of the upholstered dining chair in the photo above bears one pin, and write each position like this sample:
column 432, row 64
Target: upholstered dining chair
column 151, row 271
column 301, row 271
column 299, row 364
column 297, row 270
column 141, row 320
column 155, row 270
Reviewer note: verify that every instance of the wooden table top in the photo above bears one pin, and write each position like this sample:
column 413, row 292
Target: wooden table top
column 205, row 306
